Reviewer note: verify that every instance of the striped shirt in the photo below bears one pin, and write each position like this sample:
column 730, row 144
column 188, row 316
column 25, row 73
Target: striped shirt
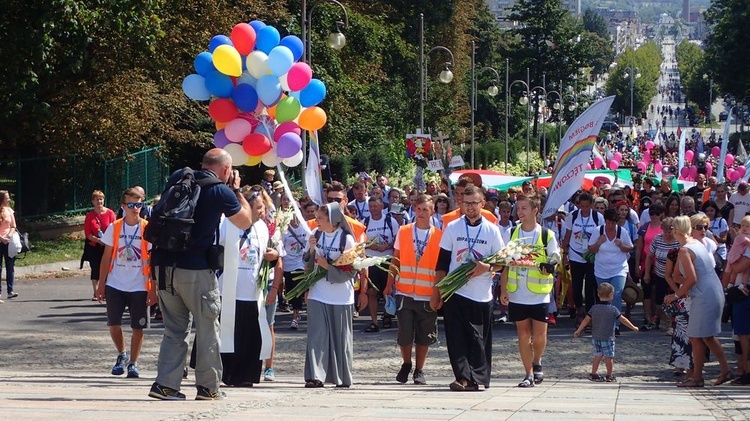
column 659, row 248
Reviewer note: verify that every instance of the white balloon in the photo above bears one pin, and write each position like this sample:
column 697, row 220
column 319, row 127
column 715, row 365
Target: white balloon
column 270, row 159
column 284, row 83
column 239, row 157
column 257, row 64
column 294, row 161
column 238, row 129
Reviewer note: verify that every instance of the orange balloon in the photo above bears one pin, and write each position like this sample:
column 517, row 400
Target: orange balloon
column 272, row 111
column 313, row 118
column 221, row 125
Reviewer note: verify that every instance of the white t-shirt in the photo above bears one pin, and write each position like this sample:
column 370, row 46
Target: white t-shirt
column 483, row 240
column 506, row 230
column 718, row 227
column 610, row 259
column 645, row 218
column 294, row 248
column 378, row 231
column 127, row 272
column 741, row 206
column 252, row 248
column 363, row 209
column 580, row 232
column 420, row 239
column 328, row 245
column 522, row 295
column 634, row 217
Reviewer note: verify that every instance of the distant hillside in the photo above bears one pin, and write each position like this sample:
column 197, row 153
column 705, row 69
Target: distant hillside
column 649, row 10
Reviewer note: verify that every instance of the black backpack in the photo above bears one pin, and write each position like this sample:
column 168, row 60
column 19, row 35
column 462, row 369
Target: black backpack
column 594, row 213
column 388, row 224
column 170, row 226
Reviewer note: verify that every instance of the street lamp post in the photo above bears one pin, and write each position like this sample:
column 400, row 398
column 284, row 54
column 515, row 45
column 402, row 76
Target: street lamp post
column 632, row 72
column 491, row 91
column 336, row 40
column 710, row 96
column 539, row 107
column 507, row 111
column 446, row 76
column 558, row 105
column 524, row 100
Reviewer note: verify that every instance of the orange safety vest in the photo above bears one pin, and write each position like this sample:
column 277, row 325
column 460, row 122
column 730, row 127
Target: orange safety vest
column 417, row 277
column 145, row 253
column 452, row 216
column 358, row 228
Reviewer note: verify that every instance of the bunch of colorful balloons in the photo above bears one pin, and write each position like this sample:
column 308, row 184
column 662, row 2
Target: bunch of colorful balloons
column 643, row 165
column 262, row 97
column 614, row 162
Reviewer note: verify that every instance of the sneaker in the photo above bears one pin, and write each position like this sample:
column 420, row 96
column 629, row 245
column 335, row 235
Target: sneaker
column 133, row 371
column 419, row 377
column 551, row 320
column 184, row 373
column 206, row 395
column 502, row 318
column 269, row 375
column 12, row 294
column 403, row 374
column 294, row 325
column 119, row 368
column 165, row 393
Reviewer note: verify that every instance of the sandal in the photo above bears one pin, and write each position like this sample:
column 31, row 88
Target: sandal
column 372, row 328
column 725, row 377
column 691, row 382
column 610, row 379
column 313, row 383
column 387, row 322
column 596, row 378
column 457, row 386
column 528, row 381
column 538, row 373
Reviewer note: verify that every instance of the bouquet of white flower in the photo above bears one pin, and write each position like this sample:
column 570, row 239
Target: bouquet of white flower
column 276, row 230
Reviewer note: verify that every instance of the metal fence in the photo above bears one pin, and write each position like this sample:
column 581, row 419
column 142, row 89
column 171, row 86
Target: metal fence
column 46, row 186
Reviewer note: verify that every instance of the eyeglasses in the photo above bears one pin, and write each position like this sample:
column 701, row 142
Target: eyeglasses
column 334, row 199
column 700, row 227
column 472, row 203
column 136, row 205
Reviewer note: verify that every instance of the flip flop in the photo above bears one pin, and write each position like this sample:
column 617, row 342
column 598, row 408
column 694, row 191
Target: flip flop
column 372, row 328
column 691, row 382
column 456, row 386
column 725, row 377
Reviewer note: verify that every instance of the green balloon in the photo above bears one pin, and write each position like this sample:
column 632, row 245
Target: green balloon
column 287, row 109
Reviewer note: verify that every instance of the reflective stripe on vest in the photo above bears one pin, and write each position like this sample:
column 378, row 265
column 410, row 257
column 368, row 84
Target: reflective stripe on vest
column 145, row 253
column 535, row 281
column 417, row 278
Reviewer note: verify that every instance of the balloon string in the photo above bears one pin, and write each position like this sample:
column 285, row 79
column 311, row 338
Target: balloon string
column 288, row 193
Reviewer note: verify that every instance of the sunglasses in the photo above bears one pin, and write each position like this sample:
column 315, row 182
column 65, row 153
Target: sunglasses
column 334, row 199
column 700, row 227
column 136, row 205
column 253, row 196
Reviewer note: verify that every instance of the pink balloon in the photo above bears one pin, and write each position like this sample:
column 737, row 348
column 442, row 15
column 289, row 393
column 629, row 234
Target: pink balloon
column 741, row 170
column 689, row 156
column 658, row 166
column 286, row 127
column 733, row 176
column 709, row 169
column 613, row 165
column 684, row 172
column 729, row 159
column 647, row 156
column 693, row 172
column 598, row 162
column 617, row 156
column 299, row 76
column 649, row 145
column 715, row 151
column 238, row 129
column 642, row 166
column 588, row 166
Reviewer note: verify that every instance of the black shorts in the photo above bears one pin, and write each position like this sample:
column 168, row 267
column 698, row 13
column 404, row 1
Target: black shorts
column 520, row 312
column 379, row 278
column 417, row 322
column 116, row 302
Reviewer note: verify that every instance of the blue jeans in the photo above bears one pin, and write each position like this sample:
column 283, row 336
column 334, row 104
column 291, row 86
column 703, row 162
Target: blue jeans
column 10, row 265
column 619, row 283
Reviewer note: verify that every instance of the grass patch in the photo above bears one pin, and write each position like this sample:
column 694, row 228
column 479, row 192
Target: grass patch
column 52, row 251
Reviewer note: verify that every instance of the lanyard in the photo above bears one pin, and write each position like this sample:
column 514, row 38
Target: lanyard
column 247, row 235
column 132, row 237
column 327, row 250
column 584, row 224
column 359, row 211
column 471, row 243
column 420, row 250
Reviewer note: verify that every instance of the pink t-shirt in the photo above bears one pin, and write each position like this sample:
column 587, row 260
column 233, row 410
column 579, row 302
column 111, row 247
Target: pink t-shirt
column 8, row 220
column 652, row 231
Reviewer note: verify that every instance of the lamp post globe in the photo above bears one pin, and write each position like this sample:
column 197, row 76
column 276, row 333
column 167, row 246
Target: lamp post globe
column 493, row 91
column 336, row 40
column 446, row 76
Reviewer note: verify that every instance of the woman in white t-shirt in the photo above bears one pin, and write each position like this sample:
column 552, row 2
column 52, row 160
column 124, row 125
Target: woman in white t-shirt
column 719, row 228
column 612, row 246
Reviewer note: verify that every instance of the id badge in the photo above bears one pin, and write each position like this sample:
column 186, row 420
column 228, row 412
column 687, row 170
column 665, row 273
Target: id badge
column 585, row 240
column 466, row 257
column 129, row 253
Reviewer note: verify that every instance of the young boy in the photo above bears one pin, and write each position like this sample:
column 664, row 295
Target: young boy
column 125, row 280
column 603, row 316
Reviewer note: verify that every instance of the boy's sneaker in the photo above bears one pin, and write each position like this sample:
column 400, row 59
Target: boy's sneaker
column 119, row 368
column 419, row 377
column 133, row 371
column 206, row 395
column 165, row 393
column 12, row 294
column 269, row 375
column 403, row 373
column 294, row 325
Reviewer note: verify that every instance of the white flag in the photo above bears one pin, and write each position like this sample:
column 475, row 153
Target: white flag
column 724, row 142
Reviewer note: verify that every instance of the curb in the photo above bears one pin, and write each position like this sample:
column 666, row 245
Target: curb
column 35, row 270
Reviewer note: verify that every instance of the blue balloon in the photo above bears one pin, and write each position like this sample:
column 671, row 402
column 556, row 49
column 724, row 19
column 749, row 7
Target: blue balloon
column 219, row 84
column 280, row 60
column 266, row 39
column 265, row 131
column 204, row 63
column 217, row 41
column 295, row 45
column 258, row 25
column 247, row 79
column 194, row 87
column 245, row 97
column 313, row 93
column 269, row 90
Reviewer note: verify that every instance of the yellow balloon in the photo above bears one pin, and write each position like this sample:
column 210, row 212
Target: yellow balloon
column 227, row 60
column 253, row 160
column 313, row 118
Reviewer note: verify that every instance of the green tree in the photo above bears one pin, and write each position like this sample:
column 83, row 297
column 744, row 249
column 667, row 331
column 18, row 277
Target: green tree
column 728, row 46
column 645, row 61
column 595, row 23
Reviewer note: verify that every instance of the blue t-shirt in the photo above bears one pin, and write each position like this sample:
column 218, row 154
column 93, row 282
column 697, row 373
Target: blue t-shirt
column 214, row 201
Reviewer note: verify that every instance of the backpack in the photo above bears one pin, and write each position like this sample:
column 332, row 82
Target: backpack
column 594, row 213
column 171, row 223
column 387, row 223
column 545, row 235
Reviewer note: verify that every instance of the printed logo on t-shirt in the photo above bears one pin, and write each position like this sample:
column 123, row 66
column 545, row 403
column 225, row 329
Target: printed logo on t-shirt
column 127, row 250
column 465, row 255
column 249, row 254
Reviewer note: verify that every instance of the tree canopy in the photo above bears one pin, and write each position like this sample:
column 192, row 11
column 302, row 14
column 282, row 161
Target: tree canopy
column 728, row 47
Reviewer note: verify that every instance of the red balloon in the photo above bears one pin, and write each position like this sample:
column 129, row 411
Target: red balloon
column 223, row 110
column 256, row 144
column 243, row 38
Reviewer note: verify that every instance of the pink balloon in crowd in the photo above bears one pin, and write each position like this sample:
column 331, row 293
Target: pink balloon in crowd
column 742, row 170
column 709, row 169
column 647, row 157
column 617, row 156
column 598, row 163
column 642, row 166
column 733, row 176
column 684, row 173
column 689, row 156
column 693, row 172
column 658, row 166
column 613, row 165
column 649, row 145
column 729, row 159
column 588, row 166
column 715, row 151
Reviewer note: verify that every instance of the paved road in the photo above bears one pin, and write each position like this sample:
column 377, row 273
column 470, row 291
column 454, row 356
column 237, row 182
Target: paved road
column 57, row 356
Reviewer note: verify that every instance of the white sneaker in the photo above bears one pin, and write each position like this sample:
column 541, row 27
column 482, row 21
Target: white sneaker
column 269, row 375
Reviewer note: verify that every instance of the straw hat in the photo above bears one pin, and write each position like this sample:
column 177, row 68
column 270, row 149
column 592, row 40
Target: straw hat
column 632, row 293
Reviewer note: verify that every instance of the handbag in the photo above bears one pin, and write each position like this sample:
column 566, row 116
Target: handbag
column 674, row 308
column 735, row 294
column 19, row 243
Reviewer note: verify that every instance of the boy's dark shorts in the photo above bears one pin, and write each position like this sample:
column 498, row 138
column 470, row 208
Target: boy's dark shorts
column 117, row 301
